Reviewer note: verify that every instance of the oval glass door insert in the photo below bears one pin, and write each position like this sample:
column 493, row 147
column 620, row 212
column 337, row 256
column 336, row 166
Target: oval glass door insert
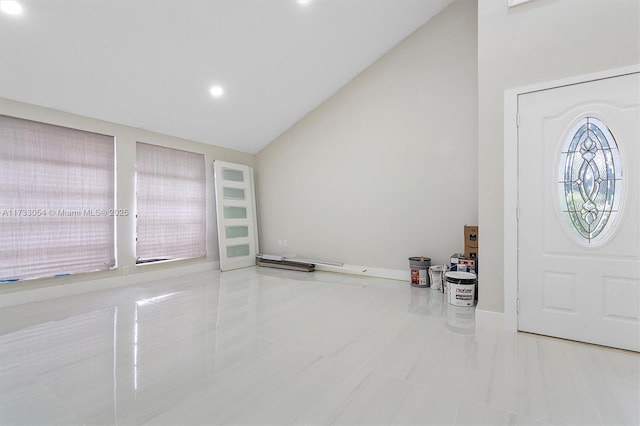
column 590, row 180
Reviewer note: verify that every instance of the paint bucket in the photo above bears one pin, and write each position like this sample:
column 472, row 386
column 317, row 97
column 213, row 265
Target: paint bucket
column 435, row 276
column 419, row 267
column 461, row 288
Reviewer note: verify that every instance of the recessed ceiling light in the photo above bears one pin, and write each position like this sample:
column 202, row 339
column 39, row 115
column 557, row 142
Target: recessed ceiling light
column 304, row 2
column 11, row 7
column 216, row 91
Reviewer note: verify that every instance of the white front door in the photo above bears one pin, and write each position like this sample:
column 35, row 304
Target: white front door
column 235, row 208
column 579, row 216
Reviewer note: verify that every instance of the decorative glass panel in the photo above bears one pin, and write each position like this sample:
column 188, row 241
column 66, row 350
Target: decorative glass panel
column 235, row 213
column 233, row 175
column 236, row 231
column 233, row 193
column 590, row 180
column 238, row 251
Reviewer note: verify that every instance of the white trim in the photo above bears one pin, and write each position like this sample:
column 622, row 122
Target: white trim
column 72, row 289
column 254, row 206
column 510, row 262
column 511, row 180
column 366, row 271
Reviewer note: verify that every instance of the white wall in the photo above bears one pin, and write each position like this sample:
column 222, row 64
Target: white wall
column 538, row 41
column 386, row 168
column 126, row 138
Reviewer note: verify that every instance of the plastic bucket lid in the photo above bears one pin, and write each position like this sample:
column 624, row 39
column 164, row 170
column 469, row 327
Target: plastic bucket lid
column 417, row 262
column 457, row 277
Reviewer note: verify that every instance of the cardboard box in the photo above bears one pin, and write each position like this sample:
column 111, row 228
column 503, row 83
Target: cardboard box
column 467, row 264
column 453, row 261
column 458, row 262
column 471, row 242
column 471, row 252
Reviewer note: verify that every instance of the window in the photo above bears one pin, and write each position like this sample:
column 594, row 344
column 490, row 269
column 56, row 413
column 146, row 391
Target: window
column 170, row 204
column 56, row 200
column 590, row 180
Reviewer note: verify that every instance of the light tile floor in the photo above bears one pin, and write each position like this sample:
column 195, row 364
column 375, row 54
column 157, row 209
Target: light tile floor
column 265, row 346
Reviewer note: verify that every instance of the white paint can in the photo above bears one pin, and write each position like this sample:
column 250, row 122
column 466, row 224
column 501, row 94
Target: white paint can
column 461, row 288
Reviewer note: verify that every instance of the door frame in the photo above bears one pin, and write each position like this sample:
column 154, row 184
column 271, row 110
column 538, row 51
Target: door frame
column 510, row 164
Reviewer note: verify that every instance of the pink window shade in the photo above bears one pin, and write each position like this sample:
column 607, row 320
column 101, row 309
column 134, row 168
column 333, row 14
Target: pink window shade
column 170, row 204
column 56, row 200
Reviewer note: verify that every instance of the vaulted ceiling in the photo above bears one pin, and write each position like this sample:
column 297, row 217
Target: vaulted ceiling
column 151, row 63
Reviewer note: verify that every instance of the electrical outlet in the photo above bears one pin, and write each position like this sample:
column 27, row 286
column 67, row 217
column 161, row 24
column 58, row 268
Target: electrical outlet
column 280, row 243
column 285, row 243
column 125, row 270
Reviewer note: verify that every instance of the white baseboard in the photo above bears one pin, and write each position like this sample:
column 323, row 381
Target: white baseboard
column 489, row 319
column 71, row 289
column 391, row 274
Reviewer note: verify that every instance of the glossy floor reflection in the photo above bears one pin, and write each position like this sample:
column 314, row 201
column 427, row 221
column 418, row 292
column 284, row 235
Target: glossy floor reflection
column 265, row 346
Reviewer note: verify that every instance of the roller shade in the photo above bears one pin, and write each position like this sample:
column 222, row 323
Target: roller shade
column 56, row 200
column 170, row 204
